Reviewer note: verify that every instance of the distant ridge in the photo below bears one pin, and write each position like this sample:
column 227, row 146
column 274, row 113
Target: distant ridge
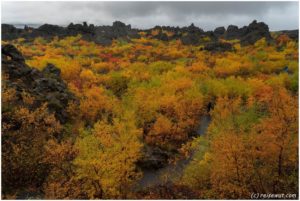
column 21, row 26
column 104, row 35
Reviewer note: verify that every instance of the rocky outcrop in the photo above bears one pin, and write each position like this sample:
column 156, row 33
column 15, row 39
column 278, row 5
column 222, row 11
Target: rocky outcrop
column 104, row 35
column 119, row 29
column 154, row 158
column 292, row 34
column 248, row 35
column 161, row 36
column 219, row 31
column 9, row 32
column 74, row 29
column 51, row 30
column 218, row 47
column 254, row 32
column 46, row 86
column 190, row 39
column 11, row 52
column 192, row 35
column 232, row 32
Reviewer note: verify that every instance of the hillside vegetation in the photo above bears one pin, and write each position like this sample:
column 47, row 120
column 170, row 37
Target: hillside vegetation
column 81, row 120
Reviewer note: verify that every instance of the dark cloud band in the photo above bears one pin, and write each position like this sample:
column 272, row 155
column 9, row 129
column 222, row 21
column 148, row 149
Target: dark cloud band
column 207, row 15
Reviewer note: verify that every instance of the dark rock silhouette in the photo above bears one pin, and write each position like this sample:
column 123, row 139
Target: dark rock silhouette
column 104, row 35
column 248, row 35
column 192, row 29
column 219, row 31
column 192, row 36
column 9, row 32
column 190, row 39
column 254, row 32
column 50, row 70
column 52, row 30
column 218, row 47
column 45, row 86
column 154, row 158
column 161, row 36
column 13, row 53
column 74, row 29
column 292, row 34
column 232, row 32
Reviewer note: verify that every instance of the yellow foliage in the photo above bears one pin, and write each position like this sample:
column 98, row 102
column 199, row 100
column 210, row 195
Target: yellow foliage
column 250, row 95
column 94, row 104
column 107, row 158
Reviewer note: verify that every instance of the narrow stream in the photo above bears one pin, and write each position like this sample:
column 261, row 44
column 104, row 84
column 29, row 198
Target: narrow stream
column 154, row 177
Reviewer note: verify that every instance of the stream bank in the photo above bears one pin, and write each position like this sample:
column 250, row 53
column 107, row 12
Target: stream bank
column 158, row 176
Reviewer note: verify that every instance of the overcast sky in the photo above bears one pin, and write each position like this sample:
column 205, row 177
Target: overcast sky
column 207, row 15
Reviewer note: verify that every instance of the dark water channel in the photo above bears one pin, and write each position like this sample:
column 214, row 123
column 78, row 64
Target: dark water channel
column 170, row 172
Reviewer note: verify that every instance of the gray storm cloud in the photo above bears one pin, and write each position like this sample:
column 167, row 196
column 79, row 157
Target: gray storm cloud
column 207, row 15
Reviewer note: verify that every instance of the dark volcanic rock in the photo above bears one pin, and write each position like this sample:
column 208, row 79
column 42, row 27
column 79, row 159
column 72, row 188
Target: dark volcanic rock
column 102, row 40
column 232, row 32
column 51, row 70
column 9, row 32
column 74, row 29
column 161, row 36
column 218, row 47
column 192, row 35
column 119, row 29
column 211, row 35
column 52, row 30
column 7, row 28
column 104, row 35
column 248, row 35
column 154, row 158
column 254, row 32
column 13, row 53
column 193, row 29
column 219, row 31
column 190, row 39
column 243, row 31
column 292, row 34
column 45, row 86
